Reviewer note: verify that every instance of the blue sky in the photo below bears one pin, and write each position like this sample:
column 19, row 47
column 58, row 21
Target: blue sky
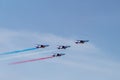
column 24, row 23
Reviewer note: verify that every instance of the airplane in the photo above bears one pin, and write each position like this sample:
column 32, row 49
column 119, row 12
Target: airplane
column 41, row 46
column 81, row 41
column 63, row 47
column 58, row 55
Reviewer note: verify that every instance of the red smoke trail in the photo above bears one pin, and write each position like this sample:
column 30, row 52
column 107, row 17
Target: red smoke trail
column 32, row 60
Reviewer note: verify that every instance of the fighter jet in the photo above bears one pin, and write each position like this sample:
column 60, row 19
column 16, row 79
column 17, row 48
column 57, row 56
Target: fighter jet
column 62, row 47
column 58, row 55
column 41, row 46
column 81, row 41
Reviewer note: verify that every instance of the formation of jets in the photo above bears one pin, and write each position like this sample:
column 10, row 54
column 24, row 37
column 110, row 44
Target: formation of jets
column 44, row 46
column 62, row 46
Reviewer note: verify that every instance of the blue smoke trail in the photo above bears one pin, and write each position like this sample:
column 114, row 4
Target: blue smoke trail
column 18, row 51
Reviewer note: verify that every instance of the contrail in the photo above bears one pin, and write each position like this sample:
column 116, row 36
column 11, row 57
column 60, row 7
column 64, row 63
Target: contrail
column 32, row 60
column 18, row 51
column 25, row 55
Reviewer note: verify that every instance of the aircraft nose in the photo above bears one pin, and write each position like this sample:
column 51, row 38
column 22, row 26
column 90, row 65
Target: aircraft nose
column 62, row 54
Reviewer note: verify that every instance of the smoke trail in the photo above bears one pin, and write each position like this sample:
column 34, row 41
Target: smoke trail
column 32, row 60
column 18, row 51
column 25, row 55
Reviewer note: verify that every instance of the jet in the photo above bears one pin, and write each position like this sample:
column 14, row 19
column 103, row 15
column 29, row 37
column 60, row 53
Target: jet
column 63, row 47
column 41, row 46
column 81, row 41
column 58, row 55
